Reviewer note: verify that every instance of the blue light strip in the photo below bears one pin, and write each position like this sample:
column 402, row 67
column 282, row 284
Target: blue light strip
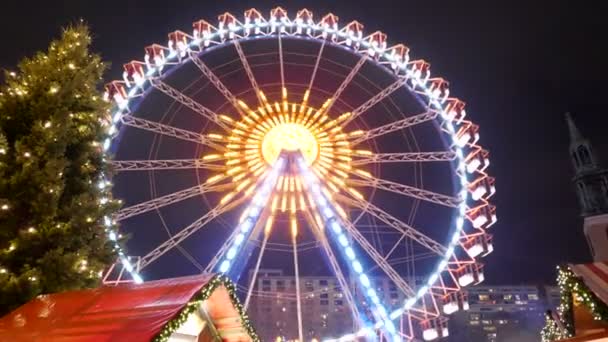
column 253, row 210
column 339, row 235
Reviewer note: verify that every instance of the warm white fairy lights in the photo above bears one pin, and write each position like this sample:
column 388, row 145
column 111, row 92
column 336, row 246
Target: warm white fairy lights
column 416, row 82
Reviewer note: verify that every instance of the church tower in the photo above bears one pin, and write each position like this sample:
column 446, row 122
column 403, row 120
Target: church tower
column 591, row 183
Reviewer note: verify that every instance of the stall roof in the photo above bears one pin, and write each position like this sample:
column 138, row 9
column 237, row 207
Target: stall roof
column 127, row 312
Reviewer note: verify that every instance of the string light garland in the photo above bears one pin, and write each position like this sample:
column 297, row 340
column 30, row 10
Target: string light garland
column 194, row 303
column 552, row 330
column 569, row 286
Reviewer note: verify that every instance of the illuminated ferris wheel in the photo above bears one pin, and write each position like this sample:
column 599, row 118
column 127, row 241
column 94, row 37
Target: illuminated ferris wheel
column 305, row 145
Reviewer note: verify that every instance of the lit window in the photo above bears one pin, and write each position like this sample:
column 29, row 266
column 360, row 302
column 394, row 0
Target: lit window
column 533, row 296
column 484, row 297
column 508, row 297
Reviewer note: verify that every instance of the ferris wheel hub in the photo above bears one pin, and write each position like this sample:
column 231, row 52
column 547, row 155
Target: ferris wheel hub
column 290, row 137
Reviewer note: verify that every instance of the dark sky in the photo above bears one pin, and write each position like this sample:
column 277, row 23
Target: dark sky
column 519, row 65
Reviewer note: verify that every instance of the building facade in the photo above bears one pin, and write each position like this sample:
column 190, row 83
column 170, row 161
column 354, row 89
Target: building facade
column 591, row 182
column 325, row 309
column 496, row 314
column 503, row 314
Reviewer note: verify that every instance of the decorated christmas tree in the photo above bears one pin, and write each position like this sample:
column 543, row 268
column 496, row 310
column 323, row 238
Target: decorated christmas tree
column 53, row 200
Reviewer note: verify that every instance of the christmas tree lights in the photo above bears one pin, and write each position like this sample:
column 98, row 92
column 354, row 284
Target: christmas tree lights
column 52, row 120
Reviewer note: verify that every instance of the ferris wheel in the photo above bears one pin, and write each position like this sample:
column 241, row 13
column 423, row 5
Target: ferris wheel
column 305, row 145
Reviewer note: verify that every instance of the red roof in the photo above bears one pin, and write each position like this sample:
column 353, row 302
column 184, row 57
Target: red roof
column 127, row 312
column 595, row 276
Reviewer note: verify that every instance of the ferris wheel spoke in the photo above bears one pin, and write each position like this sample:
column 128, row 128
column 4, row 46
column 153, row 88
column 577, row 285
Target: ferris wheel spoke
column 405, row 260
column 378, row 158
column 188, row 102
column 256, row 269
column 401, row 81
column 281, row 63
column 318, row 233
column 160, row 164
column 390, row 252
column 168, row 199
column 296, row 266
column 248, row 71
column 215, row 80
column 380, row 260
column 189, row 230
column 169, row 131
column 395, row 223
column 407, row 190
column 396, row 126
column 317, row 62
column 353, row 72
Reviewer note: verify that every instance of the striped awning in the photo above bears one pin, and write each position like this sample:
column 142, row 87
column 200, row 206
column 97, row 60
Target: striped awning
column 595, row 276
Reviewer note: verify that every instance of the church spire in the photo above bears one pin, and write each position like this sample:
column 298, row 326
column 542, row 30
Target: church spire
column 581, row 151
column 590, row 180
column 575, row 134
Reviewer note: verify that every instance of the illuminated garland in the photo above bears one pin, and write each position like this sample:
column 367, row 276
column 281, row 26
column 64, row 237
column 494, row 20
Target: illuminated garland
column 570, row 285
column 552, row 331
column 194, row 303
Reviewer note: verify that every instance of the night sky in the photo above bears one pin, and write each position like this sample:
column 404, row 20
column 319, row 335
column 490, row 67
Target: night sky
column 519, row 65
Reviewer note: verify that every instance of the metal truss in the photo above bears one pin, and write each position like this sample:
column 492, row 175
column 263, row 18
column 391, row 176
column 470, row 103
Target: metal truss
column 167, row 164
column 407, row 190
column 353, row 72
column 214, row 80
column 169, row 131
column 189, row 230
column 405, row 157
column 333, row 261
column 165, row 200
column 380, row 261
column 248, row 71
column 395, row 223
column 188, row 102
column 401, row 81
column 212, row 265
column 395, row 126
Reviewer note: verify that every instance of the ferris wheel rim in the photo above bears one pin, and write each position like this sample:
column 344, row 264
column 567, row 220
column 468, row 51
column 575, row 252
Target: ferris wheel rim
column 460, row 160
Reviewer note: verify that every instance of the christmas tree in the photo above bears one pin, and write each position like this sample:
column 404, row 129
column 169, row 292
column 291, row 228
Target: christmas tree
column 53, row 200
